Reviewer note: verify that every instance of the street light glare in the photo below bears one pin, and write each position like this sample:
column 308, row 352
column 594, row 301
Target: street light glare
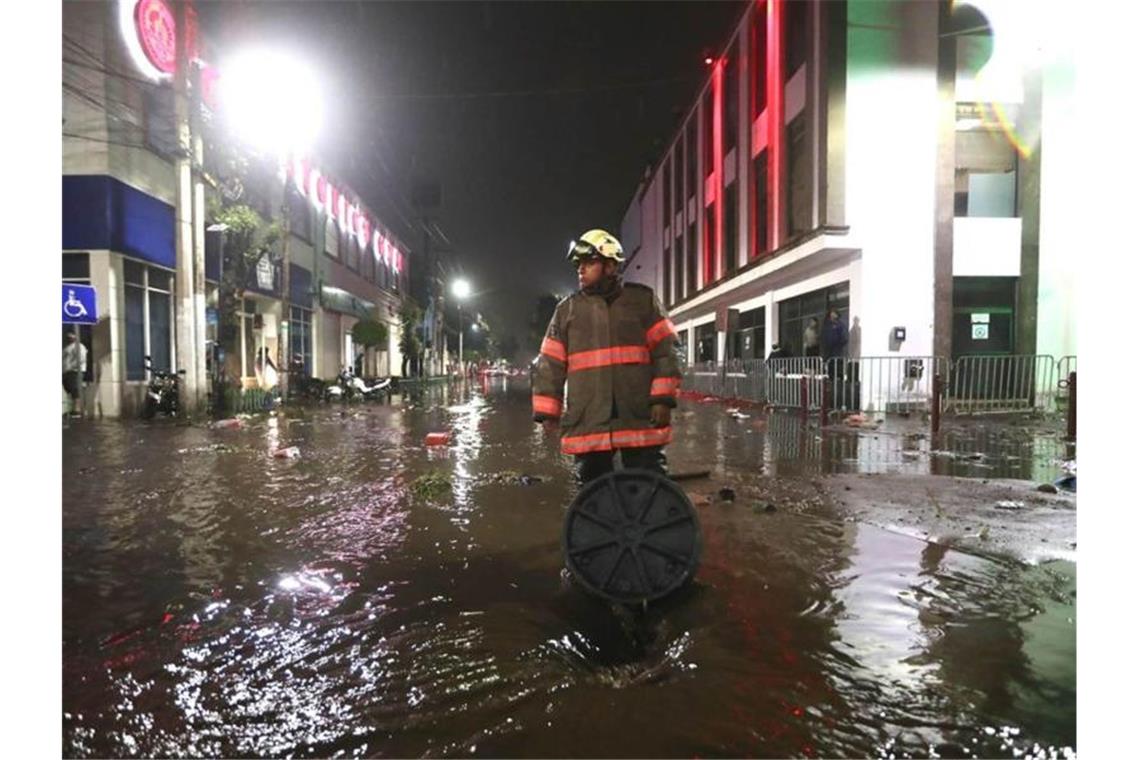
column 271, row 100
column 461, row 289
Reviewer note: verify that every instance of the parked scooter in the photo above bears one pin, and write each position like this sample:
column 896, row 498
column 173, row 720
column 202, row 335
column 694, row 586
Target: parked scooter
column 348, row 387
column 161, row 392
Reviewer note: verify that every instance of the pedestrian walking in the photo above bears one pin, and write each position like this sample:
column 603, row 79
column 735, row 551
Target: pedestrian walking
column 74, row 365
column 612, row 348
column 811, row 338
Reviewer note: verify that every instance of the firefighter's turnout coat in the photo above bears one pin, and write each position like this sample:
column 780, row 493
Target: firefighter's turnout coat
column 614, row 359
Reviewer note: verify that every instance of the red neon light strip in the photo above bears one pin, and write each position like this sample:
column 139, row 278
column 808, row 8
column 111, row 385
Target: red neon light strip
column 718, row 166
column 775, row 90
column 753, row 43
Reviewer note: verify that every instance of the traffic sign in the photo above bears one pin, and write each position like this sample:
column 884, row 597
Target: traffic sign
column 79, row 304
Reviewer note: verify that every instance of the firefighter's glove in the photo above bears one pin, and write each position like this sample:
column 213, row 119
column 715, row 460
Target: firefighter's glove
column 660, row 415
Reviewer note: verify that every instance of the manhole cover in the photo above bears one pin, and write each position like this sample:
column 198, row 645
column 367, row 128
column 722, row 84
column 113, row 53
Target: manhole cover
column 632, row 536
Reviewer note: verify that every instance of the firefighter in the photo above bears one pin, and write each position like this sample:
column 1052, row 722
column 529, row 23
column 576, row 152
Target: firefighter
column 612, row 349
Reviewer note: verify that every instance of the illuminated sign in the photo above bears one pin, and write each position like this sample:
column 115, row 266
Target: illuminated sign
column 154, row 22
column 327, row 198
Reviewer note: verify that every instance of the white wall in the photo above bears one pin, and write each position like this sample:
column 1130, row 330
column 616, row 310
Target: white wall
column 987, row 246
column 1062, row 155
column 891, row 150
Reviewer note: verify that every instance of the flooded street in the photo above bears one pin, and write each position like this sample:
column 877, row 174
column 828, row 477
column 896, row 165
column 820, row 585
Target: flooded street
column 378, row 597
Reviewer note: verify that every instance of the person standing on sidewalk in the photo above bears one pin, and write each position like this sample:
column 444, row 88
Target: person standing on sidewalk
column 612, row 349
column 74, row 365
column 811, row 338
column 834, row 341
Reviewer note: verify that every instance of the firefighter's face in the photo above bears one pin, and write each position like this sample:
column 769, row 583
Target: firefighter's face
column 592, row 269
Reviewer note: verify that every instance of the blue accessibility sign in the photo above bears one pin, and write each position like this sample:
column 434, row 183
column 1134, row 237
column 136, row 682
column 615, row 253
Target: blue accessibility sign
column 79, row 304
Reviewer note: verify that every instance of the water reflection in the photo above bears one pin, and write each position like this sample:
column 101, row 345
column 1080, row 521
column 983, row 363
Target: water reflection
column 221, row 602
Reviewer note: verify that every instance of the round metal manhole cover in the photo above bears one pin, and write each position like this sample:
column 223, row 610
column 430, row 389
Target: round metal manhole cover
column 632, row 536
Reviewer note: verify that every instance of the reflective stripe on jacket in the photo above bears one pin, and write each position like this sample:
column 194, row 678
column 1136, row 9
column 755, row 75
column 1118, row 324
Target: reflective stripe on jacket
column 602, row 365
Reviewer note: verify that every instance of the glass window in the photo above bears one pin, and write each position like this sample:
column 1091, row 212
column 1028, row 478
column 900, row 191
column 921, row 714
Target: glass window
column 134, row 273
column 730, row 251
column 795, row 313
column 678, row 181
column 985, row 174
column 760, row 201
column 300, row 216
column 799, row 179
column 148, row 318
column 731, row 98
column 706, row 342
column 709, row 253
column 301, row 337
column 690, row 160
column 134, row 312
column 691, row 260
column 332, row 238
column 678, row 268
column 707, row 131
column 666, row 279
column 760, row 62
column 76, row 266
column 795, row 36
column 159, row 305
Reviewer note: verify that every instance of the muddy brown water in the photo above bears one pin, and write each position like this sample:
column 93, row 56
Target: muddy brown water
column 220, row 602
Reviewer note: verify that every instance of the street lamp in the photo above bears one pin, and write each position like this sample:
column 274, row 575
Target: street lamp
column 461, row 289
column 259, row 90
column 271, row 100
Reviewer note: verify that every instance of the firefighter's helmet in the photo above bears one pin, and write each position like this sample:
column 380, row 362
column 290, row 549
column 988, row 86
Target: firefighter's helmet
column 595, row 243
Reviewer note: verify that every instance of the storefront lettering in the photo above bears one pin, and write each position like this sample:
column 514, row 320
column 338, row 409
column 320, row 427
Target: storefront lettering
column 329, row 199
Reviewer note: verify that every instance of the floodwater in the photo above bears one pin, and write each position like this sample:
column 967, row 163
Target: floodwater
column 221, row 602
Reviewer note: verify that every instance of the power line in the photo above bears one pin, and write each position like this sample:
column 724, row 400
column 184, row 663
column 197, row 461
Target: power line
column 533, row 92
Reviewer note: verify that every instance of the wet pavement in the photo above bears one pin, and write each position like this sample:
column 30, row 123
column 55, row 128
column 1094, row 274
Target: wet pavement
column 378, row 597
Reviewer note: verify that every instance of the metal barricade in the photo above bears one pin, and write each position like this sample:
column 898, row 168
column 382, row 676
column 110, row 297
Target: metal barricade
column 884, row 384
column 1001, row 384
column 784, row 381
column 1066, row 366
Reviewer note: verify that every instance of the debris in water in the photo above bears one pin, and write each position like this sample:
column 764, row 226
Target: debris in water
column 232, row 422
column 437, row 439
column 726, row 494
column 1067, row 483
column 291, row 452
column 1010, row 505
column 432, row 485
column 1047, row 488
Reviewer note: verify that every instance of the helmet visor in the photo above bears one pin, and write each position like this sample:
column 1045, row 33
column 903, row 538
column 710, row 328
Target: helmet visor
column 580, row 249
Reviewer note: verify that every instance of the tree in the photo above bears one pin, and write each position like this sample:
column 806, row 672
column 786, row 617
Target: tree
column 370, row 333
column 248, row 239
column 410, row 344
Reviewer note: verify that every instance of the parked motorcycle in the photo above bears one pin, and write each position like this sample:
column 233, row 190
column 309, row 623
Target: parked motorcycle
column 348, row 387
column 161, row 392
column 302, row 387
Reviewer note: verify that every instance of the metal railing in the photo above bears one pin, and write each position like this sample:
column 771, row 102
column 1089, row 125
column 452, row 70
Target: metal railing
column 249, row 400
column 884, row 384
column 890, row 384
column 1001, row 384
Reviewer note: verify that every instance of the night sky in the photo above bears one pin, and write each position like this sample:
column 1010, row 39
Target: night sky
column 538, row 119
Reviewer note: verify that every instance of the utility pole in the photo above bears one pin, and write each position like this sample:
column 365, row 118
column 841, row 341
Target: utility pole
column 284, row 358
column 189, row 237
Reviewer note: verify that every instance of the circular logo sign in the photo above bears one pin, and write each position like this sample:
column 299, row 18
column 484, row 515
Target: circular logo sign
column 157, row 33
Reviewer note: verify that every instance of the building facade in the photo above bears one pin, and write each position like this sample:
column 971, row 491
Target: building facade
column 156, row 269
column 890, row 160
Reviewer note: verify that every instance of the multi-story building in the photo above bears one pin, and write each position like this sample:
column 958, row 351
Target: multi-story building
column 896, row 161
column 123, row 161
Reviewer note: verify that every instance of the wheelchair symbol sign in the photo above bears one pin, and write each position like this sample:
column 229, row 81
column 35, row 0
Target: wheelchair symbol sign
column 79, row 304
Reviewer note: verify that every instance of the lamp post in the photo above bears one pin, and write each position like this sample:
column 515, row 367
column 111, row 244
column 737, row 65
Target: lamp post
column 461, row 289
